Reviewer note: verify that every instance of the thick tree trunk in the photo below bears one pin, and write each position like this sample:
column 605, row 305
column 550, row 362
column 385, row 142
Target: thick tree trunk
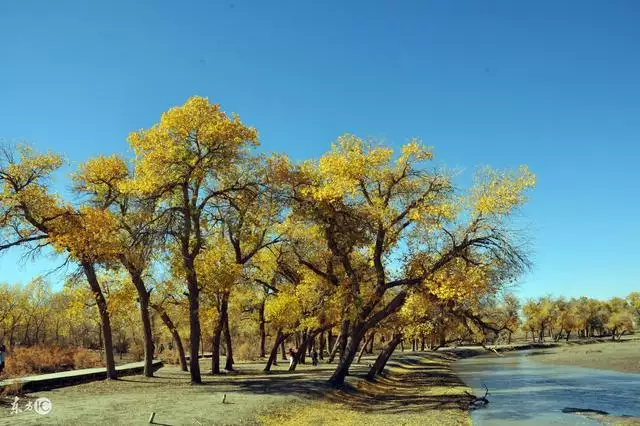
column 283, row 350
column 174, row 333
column 347, row 356
column 105, row 322
column 263, row 334
column 227, row 337
column 194, row 321
column 383, row 357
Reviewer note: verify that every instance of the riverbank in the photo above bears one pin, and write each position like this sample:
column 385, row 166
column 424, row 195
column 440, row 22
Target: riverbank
column 623, row 356
column 417, row 389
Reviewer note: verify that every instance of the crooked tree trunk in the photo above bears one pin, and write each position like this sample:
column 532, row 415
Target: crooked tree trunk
column 174, row 333
column 263, row 334
column 298, row 358
column 308, row 340
column 347, row 355
column 143, row 299
column 105, row 321
column 280, row 338
column 227, row 337
column 383, row 357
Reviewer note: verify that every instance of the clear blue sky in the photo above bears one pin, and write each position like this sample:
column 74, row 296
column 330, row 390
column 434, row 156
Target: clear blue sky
column 552, row 84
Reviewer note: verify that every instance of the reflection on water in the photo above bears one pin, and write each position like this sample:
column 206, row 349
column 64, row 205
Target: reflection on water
column 522, row 391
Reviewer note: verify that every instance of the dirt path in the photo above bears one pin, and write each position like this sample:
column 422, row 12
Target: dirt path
column 417, row 391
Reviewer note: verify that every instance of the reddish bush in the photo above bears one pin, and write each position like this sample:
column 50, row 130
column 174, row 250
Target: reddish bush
column 25, row 361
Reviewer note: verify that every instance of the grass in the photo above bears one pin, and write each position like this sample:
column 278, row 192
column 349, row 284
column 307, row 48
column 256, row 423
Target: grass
column 418, row 389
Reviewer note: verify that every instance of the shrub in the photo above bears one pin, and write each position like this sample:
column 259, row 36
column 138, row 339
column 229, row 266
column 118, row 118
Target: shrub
column 247, row 351
column 136, row 350
column 84, row 358
column 25, row 361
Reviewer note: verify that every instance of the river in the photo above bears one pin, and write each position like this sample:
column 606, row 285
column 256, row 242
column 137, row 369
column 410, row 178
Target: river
column 525, row 392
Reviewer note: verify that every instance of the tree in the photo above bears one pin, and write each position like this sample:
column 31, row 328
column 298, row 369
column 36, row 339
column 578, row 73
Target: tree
column 183, row 162
column 368, row 210
column 32, row 217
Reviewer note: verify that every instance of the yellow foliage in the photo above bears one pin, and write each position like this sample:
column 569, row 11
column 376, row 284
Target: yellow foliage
column 499, row 193
column 190, row 141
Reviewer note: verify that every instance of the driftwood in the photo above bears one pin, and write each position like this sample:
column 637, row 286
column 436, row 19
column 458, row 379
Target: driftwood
column 478, row 402
column 583, row 411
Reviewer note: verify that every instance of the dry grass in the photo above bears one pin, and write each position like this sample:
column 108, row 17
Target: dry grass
column 25, row 361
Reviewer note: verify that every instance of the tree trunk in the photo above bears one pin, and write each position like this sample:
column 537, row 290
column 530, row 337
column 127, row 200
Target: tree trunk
column 284, row 352
column 568, row 334
column 227, row 337
column 364, row 347
column 383, row 357
column 105, row 321
column 143, row 299
column 371, row 340
column 306, row 342
column 174, row 333
column 263, row 334
column 194, row 321
column 280, row 338
column 215, row 345
column 347, row 356
column 322, row 343
column 341, row 341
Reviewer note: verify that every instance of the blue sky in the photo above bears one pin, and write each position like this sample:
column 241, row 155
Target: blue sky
column 555, row 85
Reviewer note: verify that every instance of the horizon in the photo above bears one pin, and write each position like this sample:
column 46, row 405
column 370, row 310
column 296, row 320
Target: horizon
column 504, row 86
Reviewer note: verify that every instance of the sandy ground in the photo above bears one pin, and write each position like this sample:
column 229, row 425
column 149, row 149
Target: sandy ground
column 619, row 356
column 419, row 389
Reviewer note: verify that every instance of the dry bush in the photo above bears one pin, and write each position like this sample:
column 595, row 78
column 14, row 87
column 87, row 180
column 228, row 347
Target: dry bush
column 25, row 361
column 84, row 358
column 136, row 351
column 246, row 351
